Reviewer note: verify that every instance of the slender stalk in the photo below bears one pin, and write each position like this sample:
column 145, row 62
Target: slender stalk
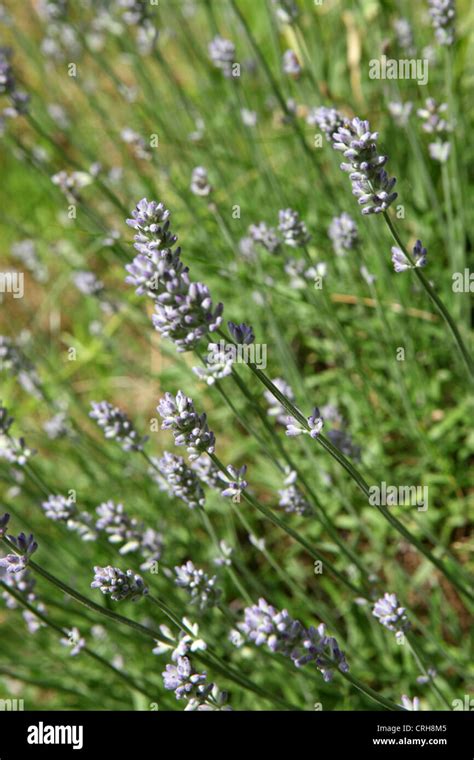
column 436, row 301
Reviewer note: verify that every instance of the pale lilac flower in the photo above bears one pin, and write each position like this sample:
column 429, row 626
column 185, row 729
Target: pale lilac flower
column 117, row 425
column 265, row 236
column 404, row 35
column 235, row 481
column 71, row 183
column 201, row 588
column 443, row 18
column 119, row 526
column 370, row 182
column 315, row 423
column 401, row 263
column 343, row 234
column 218, row 365
column 120, row 585
column 286, row 10
column 151, row 221
column 185, row 681
column 410, row 704
column 74, row 640
column 181, row 481
column 88, row 283
column 439, row 151
column 189, row 428
column 249, row 118
column 293, row 230
column 328, row 120
column 222, row 54
column 275, row 409
column 400, row 112
column 432, row 115
column 200, row 182
column 207, row 472
column 26, row 545
column 389, row 613
column 138, row 145
column 292, row 500
column 59, row 508
column 291, row 64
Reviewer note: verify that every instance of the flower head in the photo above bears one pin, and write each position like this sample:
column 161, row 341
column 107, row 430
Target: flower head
column 235, row 482
column 402, row 263
column 328, row 120
column 185, row 681
column 120, row 585
column 189, row 428
column 201, row 588
column 293, row 230
column 26, row 545
column 390, row 614
column 265, row 236
column 443, row 18
column 343, row 234
column 200, row 182
column 117, row 425
column 242, row 334
column 370, row 182
column 181, row 481
column 222, row 54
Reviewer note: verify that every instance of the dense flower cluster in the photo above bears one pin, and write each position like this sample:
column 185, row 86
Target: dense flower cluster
column 263, row 624
column 117, row 425
column 343, row 234
column 218, row 365
column 184, row 312
column 265, row 236
column 435, row 123
column 222, row 54
column 242, row 334
column 328, row 120
column 293, row 230
column 119, row 585
column 201, row 588
column 443, row 18
column 390, row 614
column 370, row 182
column 180, row 480
column 189, row 428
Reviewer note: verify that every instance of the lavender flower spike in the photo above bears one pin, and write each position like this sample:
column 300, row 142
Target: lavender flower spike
column 343, row 234
column 242, row 334
column 4, row 519
column 120, row 585
column 16, row 563
column 327, row 119
column 185, row 681
column 370, row 182
column 181, row 481
column 390, row 614
column 401, row 263
column 116, row 424
column 201, row 588
column 189, row 428
column 443, row 16
column 293, row 230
